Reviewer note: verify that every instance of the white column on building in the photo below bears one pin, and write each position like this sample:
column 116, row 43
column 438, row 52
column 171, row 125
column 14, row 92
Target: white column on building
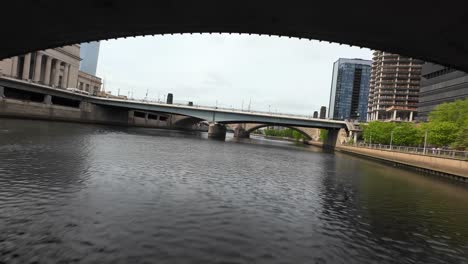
column 37, row 67
column 376, row 115
column 65, row 76
column 411, row 116
column 56, row 79
column 14, row 67
column 48, row 71
column 394, row 114
column 26, row 66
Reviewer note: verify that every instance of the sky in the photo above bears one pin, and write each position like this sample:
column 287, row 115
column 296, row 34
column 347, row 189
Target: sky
column 277, row 74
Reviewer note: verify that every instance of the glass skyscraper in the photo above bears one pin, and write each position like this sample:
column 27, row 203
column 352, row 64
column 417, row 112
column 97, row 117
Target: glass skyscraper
column 350, row 89
column 89, row 53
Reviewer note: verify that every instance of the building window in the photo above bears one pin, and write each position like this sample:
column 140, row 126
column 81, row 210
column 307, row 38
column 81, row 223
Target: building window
column 438, row 73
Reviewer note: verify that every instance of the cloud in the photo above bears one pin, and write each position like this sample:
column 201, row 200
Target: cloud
column 290, row 75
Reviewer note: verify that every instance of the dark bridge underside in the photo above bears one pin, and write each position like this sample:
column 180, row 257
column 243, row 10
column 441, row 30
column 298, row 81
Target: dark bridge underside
column 426, row 30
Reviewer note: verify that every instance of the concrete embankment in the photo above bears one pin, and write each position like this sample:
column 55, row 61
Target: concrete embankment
column 452, row 168
column 83, row 112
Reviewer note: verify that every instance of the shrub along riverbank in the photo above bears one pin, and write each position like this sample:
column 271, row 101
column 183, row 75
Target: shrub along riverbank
column 287, row 132
column 447, row 127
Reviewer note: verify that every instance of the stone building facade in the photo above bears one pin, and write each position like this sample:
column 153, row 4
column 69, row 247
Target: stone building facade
column 89, row 83
column 58, row 68
column 53, row 67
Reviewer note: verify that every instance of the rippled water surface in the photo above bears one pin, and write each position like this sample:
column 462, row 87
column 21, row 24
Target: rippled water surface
column 73, row 193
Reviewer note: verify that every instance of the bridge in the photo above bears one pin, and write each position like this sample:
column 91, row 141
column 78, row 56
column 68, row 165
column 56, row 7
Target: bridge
column 218, row 118
column 244, row 130
column 431, row 32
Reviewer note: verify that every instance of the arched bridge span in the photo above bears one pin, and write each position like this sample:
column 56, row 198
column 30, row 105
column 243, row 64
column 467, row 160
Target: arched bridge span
column 432, row 32
column 217, row 118
column 308, row 134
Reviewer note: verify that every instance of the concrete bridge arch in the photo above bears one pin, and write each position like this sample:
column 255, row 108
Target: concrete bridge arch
column 40, row 28
column 244, row 130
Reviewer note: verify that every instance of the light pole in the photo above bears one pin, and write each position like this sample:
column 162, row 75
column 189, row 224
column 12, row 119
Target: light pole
column 425, row 142
column 391, row 139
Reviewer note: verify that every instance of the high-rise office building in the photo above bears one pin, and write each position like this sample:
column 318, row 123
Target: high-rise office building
column 323, row 112
column 349, row 89
column 440, row 84
column 89, row 53
column 394, row 87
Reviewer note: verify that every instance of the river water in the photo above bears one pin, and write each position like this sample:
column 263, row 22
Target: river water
column 72, row 193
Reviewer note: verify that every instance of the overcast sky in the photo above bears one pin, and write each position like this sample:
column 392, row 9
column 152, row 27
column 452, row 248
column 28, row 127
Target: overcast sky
column 287, row 74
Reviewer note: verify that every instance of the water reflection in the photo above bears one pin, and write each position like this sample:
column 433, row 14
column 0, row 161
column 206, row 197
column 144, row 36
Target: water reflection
column 93, row 194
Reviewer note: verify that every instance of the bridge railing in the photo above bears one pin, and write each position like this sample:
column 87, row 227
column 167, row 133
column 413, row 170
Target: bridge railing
column 428, row 151
column 186, row 104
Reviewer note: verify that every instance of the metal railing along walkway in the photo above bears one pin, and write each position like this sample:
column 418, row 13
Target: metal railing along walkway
column 428, row 151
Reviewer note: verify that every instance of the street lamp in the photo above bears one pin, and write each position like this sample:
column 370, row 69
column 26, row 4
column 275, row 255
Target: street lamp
column 425, row 142
column 391, row 139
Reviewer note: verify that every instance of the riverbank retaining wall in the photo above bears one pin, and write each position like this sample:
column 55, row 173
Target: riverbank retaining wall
column 82, row 112
column 434, row 165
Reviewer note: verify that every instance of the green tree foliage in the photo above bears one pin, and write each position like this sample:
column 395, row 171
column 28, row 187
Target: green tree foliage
column 441, row 133
column 455, row 112
column 288, row 132
column 448, row 123
column 378, row 132
column 461, row 142
column 323, row 135
column 447, row 126
column 297, row 135
column 406, row 134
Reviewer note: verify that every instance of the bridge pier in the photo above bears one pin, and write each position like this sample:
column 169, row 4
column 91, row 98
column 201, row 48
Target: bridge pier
column 47, row 99
column 217, row 131
column 240, row 132
column 332, row 137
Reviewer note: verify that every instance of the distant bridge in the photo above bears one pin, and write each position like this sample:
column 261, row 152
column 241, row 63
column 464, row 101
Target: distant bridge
column 222, row 116
column 245, row 129
column 217, row 117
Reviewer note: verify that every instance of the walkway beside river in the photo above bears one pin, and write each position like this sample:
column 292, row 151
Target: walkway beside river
column 438, row 165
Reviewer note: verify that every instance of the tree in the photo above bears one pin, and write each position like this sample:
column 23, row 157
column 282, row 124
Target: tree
column 323, row 135
column 378, row 132
column 298, row 135
column 455, row 112
column 288, row 132
column 442, row 133
column 461, row 142
column 406, row 134
column 448, row 123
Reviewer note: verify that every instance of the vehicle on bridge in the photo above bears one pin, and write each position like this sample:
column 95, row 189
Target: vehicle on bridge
column 75, row 90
